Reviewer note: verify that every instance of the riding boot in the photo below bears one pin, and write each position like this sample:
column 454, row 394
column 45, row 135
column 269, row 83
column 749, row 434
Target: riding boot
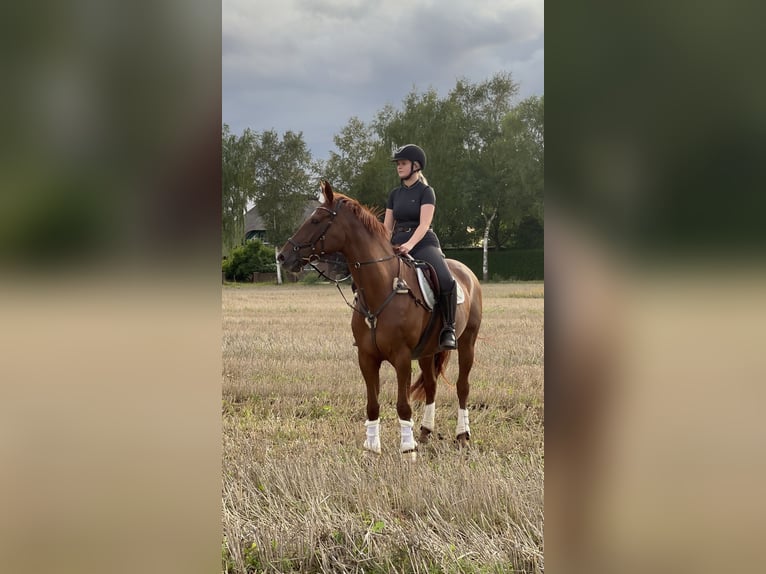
column 448, row 304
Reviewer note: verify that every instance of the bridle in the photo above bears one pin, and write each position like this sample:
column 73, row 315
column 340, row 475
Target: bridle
column 317, row 256
column 314, row 256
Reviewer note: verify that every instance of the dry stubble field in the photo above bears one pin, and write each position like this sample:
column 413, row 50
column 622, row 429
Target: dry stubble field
column 300, row 495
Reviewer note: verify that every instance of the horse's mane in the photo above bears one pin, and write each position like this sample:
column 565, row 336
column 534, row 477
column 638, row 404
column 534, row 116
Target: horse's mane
column 368, row 216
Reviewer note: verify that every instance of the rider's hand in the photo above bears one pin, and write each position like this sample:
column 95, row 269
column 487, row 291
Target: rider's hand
column 404, row 249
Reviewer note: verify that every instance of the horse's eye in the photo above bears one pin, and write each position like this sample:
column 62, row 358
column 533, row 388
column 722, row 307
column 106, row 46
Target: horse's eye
column 314, row 220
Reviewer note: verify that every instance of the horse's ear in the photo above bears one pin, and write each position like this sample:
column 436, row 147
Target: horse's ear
column 326, row 191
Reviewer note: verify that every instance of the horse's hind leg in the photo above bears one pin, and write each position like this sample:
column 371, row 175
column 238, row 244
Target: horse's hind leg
column 428, row 373
column 465, row 359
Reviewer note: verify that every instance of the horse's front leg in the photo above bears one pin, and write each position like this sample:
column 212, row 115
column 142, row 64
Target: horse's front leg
column 370, row 367
column 428, row 374
column 409, row 445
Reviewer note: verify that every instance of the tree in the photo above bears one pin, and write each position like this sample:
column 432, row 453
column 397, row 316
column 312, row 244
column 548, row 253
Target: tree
column 523, row 145
column 238, row 184
column 484, row 157
column 356, row 146
column 433, row 124
column 483, row 107
column 529, row 234
column 284, row 172
column 377, row 178
column 274, row 172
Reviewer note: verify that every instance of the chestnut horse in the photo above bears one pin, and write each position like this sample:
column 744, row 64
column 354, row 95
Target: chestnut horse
column 390, row 320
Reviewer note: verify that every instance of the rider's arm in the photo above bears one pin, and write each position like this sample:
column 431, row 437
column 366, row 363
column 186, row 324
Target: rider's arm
column 388, row 222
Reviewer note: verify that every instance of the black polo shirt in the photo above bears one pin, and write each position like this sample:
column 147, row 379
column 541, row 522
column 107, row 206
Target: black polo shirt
column 405, row 202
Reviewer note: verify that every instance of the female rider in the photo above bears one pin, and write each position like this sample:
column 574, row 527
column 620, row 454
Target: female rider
column 409, row 213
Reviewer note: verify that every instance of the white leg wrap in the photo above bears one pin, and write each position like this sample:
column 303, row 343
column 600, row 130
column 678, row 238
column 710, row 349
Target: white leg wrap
column 372, row 443
column 408, row 441
column 462, row 422
column 429, row 414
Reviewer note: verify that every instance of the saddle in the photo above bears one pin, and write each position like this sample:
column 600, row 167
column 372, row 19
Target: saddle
column 428, row 281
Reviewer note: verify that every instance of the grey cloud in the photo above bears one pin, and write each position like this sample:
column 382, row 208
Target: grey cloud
column 309, row 65
column 341, row 10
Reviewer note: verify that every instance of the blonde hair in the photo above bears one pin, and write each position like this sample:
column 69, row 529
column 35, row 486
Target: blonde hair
column 420, row 173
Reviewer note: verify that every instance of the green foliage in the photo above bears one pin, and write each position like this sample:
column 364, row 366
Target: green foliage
column 238, row 182
column 252, row 558
column 377, row 527
column 285, row 180
column 247, row 259
column 529, row 234
column 523, row 175
column 485, row 162
column 274, row 172
column 376, row 179
column 504, row 264
column 227, row 561
column 356, row 145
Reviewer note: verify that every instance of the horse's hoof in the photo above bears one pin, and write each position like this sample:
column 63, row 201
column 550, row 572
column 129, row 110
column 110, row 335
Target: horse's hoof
column 463, row 440
column 425, row 435
column 410, row 456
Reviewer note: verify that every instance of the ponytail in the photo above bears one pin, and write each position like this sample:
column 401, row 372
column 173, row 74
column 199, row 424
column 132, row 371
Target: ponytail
column 420, row 173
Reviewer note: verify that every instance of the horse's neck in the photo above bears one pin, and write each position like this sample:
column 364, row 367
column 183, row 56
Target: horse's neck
column 373, row 276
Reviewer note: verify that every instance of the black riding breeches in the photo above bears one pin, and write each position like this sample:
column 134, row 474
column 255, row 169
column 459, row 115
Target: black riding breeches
column 428, row 249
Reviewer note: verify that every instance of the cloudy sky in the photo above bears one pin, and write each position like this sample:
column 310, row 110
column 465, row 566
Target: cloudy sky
column 310, row 65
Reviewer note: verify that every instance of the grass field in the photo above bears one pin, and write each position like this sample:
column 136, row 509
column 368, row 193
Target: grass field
column 299, row 494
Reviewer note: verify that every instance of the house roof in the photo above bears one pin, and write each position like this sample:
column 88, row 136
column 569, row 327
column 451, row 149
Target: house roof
column 253, row 221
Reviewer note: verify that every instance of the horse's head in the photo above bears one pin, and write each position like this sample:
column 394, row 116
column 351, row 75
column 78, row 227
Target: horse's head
column 318, row 235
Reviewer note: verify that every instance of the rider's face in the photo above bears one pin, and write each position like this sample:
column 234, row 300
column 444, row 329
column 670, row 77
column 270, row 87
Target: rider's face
column 403, row 168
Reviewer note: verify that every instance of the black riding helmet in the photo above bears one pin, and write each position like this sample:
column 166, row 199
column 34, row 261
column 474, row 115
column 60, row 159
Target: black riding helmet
column 412, row 153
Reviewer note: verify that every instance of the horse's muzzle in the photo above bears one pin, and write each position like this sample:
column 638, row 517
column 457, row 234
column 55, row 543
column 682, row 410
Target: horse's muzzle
column 289, row 260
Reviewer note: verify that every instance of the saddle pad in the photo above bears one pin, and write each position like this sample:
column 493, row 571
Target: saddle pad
column 428, row 293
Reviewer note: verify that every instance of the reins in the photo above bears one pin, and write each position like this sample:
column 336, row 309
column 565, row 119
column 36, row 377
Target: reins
column 359, row 264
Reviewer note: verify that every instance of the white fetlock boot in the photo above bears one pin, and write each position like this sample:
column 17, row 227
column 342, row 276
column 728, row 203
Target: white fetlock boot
column 463, row 431
column 409, row 445
column 427, row 425
column 429, row 416
column 372, row 443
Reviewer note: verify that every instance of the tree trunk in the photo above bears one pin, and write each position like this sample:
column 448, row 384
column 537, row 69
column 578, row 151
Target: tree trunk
column 485, row 244
column 279, row 267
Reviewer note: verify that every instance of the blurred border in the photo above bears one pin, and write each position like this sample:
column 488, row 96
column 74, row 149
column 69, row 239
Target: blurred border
column 109, row 272
column 654, row 272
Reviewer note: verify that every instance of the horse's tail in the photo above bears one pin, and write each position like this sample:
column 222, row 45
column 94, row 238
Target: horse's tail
column 417, row 389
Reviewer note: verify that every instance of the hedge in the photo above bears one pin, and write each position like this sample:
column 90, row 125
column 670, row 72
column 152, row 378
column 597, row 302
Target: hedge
column 245, row 260
column 504, row 264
